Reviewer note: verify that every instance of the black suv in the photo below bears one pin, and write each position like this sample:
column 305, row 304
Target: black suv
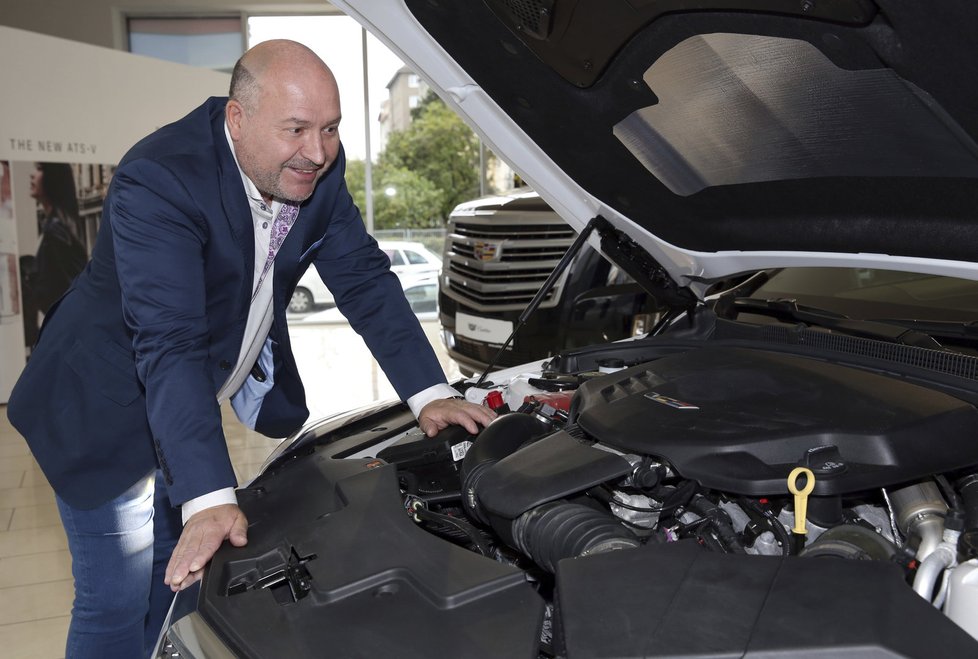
column 499, row 250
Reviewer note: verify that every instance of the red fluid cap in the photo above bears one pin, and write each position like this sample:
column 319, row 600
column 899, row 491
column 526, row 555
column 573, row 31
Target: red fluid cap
column 494, row 400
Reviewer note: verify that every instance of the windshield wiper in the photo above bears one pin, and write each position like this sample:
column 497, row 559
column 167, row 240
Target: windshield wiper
column 789, row 310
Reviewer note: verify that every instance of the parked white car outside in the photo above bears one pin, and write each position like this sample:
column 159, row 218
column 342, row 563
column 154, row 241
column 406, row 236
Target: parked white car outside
column 409, row 260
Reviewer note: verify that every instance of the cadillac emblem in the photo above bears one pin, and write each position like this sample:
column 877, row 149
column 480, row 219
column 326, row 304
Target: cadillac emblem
column 485, row 251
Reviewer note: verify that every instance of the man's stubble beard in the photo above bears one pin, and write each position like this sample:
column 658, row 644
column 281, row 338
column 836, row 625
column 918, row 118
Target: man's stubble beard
column 268, row 182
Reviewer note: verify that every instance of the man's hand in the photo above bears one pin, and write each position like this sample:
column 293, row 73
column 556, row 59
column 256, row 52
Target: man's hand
column 439, row 414
column 202, row 535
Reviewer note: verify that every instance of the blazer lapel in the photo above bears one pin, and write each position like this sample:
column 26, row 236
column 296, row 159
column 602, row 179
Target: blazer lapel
column 233, row 200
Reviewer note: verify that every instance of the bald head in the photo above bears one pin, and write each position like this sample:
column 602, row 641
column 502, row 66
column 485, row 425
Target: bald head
column 278, row 60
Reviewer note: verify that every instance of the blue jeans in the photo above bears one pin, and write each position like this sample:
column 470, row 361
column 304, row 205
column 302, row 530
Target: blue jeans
column 119, row 553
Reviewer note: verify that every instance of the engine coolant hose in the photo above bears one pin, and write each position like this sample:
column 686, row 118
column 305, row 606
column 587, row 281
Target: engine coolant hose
column 560, row 529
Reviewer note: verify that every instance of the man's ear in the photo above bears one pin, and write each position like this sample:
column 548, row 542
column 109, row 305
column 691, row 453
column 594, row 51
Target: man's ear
column 234, row 113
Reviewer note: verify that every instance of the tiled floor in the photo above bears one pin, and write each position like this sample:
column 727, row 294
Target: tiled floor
column 35, row 567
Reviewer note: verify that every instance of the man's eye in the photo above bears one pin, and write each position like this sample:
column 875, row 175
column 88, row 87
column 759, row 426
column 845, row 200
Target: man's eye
column 295, row 131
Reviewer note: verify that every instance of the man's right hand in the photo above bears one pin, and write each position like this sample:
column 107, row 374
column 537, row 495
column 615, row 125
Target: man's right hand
column 201, row 537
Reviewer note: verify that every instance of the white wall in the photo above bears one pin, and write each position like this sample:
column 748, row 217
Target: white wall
column 62, row 101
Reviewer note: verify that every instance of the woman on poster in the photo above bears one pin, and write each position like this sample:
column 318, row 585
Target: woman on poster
column 60, row 255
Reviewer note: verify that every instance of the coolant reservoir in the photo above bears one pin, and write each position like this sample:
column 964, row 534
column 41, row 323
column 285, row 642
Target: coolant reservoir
column 962, row 596
column 519, row 389
column 478, row 396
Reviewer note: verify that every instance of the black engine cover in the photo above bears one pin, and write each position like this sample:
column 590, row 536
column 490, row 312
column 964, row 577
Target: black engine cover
column 678, row 600
column 739, row 420
column 334, row 567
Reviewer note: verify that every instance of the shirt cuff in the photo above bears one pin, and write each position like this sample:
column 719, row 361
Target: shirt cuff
column 425, row 396
column 209, row 500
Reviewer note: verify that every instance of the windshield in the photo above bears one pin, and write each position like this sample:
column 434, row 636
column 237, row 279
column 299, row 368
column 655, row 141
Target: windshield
column 870, row 294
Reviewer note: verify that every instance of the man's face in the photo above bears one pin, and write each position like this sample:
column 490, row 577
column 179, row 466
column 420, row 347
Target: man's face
column 291, row 135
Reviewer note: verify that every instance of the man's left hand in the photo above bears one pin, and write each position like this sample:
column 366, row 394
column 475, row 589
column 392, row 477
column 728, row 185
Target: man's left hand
column 439, row 414
column 200, row 539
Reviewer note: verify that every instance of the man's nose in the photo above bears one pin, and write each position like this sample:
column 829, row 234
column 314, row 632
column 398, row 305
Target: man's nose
column 314, row 148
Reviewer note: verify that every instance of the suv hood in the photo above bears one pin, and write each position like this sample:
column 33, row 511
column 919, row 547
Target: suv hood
column 723, row 136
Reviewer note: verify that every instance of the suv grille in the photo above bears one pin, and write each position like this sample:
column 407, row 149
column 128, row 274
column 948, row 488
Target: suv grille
column 498, row 262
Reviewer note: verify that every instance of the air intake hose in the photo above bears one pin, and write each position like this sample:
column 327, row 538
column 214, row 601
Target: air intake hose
column 559, row 530
column 500, row 438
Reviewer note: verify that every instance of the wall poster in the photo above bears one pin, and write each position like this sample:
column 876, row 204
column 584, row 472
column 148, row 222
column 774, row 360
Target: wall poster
column 65, row 125
column 9, row 291
column 67, row 202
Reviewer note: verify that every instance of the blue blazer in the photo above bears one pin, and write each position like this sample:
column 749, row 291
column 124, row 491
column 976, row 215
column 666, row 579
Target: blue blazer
column 125, row 373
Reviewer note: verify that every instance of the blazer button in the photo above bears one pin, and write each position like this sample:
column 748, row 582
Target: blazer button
column 225, row 365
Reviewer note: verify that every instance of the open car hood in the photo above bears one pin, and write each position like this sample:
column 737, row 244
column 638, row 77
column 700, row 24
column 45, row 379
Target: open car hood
column 723, row 136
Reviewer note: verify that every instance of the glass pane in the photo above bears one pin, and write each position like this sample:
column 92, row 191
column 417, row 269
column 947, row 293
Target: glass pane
column 422, row 298
column 338, row 40
column 414, row 258
column 213, row 43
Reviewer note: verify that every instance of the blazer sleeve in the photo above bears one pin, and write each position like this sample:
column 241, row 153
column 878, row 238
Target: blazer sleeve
column 158, row 239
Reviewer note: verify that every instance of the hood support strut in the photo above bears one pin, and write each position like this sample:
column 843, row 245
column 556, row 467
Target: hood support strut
column 547, row 285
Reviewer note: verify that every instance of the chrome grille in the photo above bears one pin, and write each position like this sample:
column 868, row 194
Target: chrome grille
column 475, row 229
column 498, row 261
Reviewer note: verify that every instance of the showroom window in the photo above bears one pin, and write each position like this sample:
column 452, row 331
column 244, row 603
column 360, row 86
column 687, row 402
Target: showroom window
column 209, row 42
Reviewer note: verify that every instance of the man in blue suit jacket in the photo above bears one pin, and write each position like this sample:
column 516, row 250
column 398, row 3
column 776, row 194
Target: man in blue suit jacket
column 209, row 224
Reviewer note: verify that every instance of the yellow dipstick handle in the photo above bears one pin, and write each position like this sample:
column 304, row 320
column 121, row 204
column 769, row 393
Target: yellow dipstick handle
column 801, row 496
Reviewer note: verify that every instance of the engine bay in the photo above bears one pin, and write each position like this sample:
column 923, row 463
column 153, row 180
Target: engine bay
column 738, row 451
column 675, row 506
